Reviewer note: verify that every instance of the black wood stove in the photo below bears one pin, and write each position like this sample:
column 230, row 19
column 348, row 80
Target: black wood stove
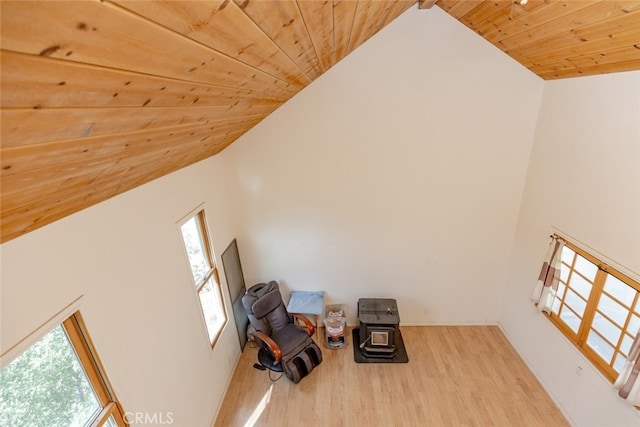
column 379, row 327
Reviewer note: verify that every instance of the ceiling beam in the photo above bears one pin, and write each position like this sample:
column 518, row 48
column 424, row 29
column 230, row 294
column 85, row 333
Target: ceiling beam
column 426, row 4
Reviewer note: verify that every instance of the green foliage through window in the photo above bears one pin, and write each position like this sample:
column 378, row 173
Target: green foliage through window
column 59, row 382
column 46, row 386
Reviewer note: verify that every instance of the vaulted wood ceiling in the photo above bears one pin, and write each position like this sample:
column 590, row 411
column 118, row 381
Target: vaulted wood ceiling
column 99, row 97
column 557, row 39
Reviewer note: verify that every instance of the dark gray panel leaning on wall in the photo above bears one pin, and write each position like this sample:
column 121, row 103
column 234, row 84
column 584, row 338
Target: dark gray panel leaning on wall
column 235, row 282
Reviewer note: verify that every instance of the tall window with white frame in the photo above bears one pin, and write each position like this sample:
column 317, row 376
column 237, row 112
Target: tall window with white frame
column 598, row 308
column 205, row 273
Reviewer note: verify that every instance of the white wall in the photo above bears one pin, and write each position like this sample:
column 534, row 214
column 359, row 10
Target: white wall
column 584, row 180
column 125, row 255
column 396, row 174
column 367, row 184
column 399, row 173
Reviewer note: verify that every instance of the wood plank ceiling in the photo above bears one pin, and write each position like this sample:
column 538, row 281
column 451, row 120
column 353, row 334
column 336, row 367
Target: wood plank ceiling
column 558, row 39
column 99, row 97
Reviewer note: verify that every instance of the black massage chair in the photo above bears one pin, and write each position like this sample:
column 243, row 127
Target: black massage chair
column 284, row 346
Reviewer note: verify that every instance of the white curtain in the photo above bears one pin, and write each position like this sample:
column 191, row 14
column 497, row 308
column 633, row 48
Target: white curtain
column 627, row 384
column 547, row 283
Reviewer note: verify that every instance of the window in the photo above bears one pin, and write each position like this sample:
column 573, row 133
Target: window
column 597, row 308
column 205, row 273
column 58, row 381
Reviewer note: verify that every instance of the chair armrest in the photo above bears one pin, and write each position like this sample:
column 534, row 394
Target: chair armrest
column 275, row 349
column 306, row 322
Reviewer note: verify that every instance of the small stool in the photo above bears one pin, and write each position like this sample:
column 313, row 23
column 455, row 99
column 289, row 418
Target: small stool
column 306, row 302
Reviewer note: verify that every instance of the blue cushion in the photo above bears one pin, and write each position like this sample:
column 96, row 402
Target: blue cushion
column 306, row 302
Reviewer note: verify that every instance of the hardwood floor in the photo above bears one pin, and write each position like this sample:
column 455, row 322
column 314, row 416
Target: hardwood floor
column 456, row 376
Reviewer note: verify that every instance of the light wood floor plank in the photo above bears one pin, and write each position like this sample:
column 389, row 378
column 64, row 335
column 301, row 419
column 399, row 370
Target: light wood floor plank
column 456, row 376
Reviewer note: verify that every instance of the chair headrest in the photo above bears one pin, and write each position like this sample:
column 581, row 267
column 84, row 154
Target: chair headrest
column 260, row 289
column 264, row 298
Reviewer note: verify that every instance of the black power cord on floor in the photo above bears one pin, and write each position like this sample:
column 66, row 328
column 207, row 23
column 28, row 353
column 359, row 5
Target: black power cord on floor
column 264, row 368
